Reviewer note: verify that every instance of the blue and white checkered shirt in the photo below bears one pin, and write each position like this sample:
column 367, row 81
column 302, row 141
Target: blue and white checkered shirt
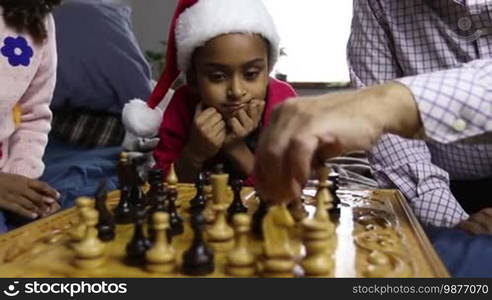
column 442, row 51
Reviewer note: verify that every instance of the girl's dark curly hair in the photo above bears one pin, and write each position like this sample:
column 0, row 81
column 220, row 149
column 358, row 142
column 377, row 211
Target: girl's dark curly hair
column 28, row 15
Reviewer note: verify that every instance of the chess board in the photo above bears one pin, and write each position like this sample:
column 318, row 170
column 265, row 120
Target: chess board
column 376, row 235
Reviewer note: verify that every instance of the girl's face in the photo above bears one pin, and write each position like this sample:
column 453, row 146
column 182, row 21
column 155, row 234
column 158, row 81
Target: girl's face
column 230, row 71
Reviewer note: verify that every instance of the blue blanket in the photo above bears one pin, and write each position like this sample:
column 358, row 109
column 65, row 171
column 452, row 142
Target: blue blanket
column 76, row 171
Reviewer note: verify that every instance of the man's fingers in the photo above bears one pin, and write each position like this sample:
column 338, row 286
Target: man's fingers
column 45, row 189
column 300, row 156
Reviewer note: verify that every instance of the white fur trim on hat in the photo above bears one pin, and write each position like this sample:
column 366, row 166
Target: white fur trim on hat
column 208, row 19
column 140, row 119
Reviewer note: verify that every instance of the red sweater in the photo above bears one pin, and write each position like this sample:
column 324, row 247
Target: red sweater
column 178, row 119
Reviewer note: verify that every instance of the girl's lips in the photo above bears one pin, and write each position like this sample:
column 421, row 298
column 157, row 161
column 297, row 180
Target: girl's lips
column 233, row 107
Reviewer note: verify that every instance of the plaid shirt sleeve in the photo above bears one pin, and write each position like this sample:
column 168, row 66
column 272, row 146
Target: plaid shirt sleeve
column 455, row 104
column 397, row 162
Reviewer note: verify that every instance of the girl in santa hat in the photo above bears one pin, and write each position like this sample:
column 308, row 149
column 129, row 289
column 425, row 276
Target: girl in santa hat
column 226, row 49
column 27, row 76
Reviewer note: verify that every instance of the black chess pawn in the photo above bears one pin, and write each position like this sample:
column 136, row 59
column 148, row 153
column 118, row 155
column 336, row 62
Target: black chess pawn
column 197, row 204
column 334, row 178
column 260, row 213
column 198, row 260
column 106, row 224
column 175, row 220
column 139, row 244
column 123, row 213
column 237, row 205
column 156, row 181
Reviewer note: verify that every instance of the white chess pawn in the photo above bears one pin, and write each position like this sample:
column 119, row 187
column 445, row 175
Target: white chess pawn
column 161, row 258
column 220, row 234
column 241, row 261
column 77, row 233
column 90, row 251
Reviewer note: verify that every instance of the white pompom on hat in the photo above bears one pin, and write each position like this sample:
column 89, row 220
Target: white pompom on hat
column 194, row 23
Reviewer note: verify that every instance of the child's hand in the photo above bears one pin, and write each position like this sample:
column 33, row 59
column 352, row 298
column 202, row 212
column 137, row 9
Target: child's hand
column 478, row 223
column 208, row 134
column 245, row 122
column 27, row 197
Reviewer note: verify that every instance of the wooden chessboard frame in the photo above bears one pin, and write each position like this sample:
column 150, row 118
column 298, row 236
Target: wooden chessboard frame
column 22, row 241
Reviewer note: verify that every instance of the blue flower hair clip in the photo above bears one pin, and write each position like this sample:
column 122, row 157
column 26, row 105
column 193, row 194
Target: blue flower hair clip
column 17, row 50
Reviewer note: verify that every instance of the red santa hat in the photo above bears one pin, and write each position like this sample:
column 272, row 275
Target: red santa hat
column 194, row 23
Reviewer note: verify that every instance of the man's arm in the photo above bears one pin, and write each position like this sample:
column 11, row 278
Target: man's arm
column 396, row 161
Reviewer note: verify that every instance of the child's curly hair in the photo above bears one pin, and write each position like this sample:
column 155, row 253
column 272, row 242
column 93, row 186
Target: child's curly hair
column 28, row 15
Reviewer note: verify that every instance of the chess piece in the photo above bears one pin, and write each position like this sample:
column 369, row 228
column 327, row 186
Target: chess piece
column 160, row 205
column 237, row 205
column 323, row 200
column 197, row 204
column 278, row 253
column 334, row 178
column 198, row 260
column 90, row 251
column 139, row 244
column 297, row 210
column 208, row 212
column 258, row 216
column 123, row 213
column 137, row 195
column 220, row 234
column 176, row 220
column 156, row 181
column 320, row 244
column 77, row 233
column 106, row 224
column 161, row 258
column 219, row 181
column 241, row 261
column 172, row 183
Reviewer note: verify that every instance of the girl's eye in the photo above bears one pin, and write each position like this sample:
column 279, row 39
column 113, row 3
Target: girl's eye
column 250, row 75
column 217, row 76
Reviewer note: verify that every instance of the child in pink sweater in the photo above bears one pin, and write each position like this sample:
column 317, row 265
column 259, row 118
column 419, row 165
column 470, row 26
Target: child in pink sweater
column 28, row 62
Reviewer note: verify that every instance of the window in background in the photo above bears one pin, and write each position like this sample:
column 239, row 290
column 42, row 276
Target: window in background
column 314, row 35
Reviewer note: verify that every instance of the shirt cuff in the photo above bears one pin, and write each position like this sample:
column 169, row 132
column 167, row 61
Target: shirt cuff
column 452, row 104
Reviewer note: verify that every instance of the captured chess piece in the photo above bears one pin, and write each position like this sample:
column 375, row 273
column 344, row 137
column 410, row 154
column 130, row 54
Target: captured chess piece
column 139, row 244
column 77, row 233
column 90, row 251
column 123, row 213
column 278, row 255
column 237, row 205
column 176, row 219
column 197, row 204
column 198, row 260
column 240, row 261
column 106, row 225
column 161, row 258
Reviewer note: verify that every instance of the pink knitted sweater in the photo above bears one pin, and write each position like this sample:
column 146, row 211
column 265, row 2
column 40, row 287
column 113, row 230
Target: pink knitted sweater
column 27, row 81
